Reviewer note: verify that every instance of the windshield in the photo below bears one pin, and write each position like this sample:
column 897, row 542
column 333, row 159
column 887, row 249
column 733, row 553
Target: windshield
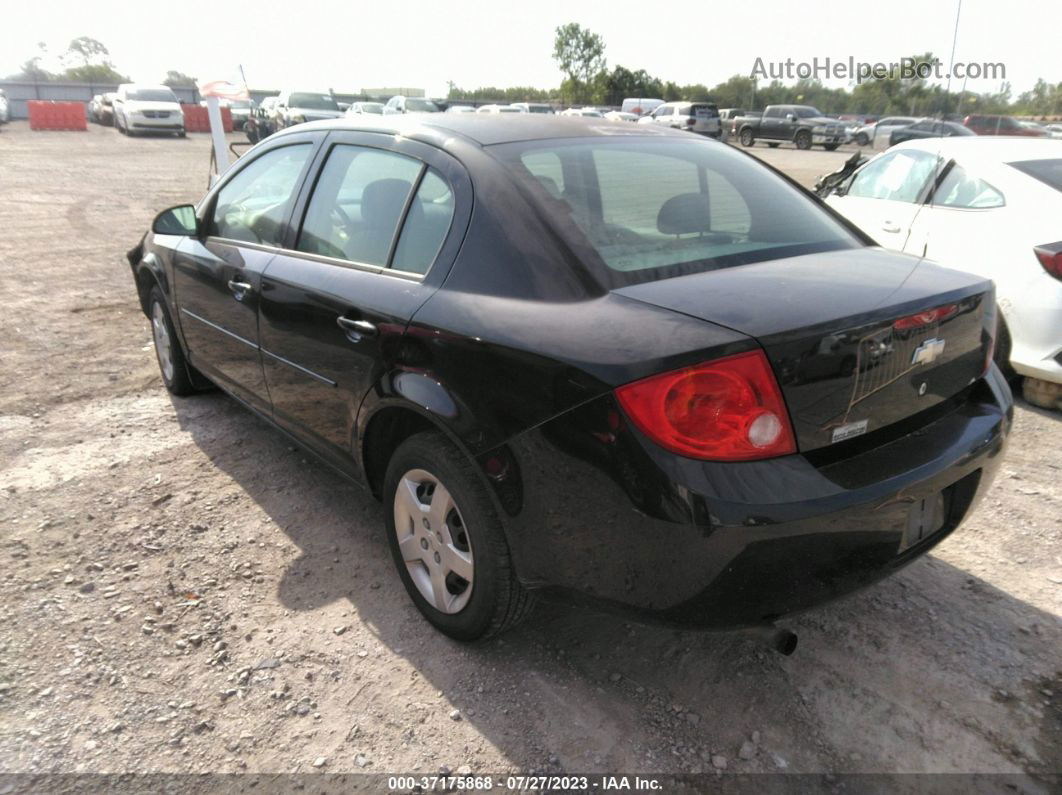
column 313, row 101
column 539, row 109
column 370, row 107
column 643, row 210
column 151, row 95
column 1048, row 172
column 421, row 105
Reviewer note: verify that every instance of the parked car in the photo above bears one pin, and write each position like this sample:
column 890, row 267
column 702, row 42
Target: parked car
column 142, row 108
column 359, row 108
column 592, row 113
column 534, row 107
column 461, row 109
column 1054, row 130
column 698, row 117
column 727, row 117
column 804, row 125
column 640, row 106
column 582, row 378
column 928, row 128
column 400, row 104
column 496, row 109
column 991, row 206
column 1000, row 125
column 240, row 109
column 101, row 109
column 5, row 108
column 618, row 115
column 297, row 107
column 260, row 124
column 877, row 133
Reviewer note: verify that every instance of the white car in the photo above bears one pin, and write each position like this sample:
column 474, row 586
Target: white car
column 498, row 109
column 534, row 107
column 460, row 109
column 296, row 107
column 363, row 108
column 592, row 113
column 984, row 204
column 139, row 108
column 619, row 115
column 401, row 104
column 698, row 117
column 5, row 109
column 876, row 135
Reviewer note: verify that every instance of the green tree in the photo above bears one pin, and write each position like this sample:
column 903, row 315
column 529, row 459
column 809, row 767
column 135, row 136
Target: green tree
column 31, row 68
column 87, row 61
column 175, row 79
column 580, row 54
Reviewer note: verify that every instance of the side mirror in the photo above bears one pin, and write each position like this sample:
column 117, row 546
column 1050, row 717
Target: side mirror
column 790, row 117
column 179, row 220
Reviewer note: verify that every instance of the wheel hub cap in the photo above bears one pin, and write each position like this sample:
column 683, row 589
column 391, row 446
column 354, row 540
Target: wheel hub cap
column 433, row 541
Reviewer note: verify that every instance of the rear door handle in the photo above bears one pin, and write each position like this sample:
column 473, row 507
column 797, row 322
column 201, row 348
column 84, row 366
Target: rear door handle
column 363, row 327
column 239, row 288
column 889, row 226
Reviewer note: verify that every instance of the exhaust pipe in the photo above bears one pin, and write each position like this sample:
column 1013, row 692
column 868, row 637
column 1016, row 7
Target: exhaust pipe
column 782, row 640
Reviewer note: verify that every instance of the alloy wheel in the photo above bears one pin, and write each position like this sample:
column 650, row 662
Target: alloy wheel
column 163, row 344
column 433, row 541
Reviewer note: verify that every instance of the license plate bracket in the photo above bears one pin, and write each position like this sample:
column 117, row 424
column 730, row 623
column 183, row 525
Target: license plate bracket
column 924, row 518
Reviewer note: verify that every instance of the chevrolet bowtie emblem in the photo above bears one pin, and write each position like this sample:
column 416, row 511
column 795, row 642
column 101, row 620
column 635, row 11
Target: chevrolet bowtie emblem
column 928, row 351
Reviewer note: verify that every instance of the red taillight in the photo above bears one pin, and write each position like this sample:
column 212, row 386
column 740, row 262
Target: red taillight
column 727, row 410
column 925, row 318
column 1050, row 257
column 690, row 121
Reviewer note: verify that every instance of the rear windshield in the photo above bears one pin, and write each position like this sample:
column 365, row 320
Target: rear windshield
column 1048, row 172
column 313, row 101
column 151, row 95
column 704, row 110
column 643, row 209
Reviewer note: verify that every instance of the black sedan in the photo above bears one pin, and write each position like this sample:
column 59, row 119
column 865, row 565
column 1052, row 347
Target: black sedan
column 613, row 363
column 928, row 128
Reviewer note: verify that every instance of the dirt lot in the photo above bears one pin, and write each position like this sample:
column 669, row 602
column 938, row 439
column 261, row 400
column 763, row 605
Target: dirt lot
column 183, row 590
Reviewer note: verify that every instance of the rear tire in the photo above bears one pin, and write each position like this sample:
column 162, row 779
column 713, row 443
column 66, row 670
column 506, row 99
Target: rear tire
column 1045, row 394
column 747, row 138
column 1001, row 355
column 463, row 528
column 861, row 139
column 802, row 139
column 168, row 352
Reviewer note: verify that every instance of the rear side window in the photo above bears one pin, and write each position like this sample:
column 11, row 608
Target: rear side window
column 1048, row 172
column 961, row 189
column 653, row 209
column 426, row 225
column 254, row 205
column 358, row 203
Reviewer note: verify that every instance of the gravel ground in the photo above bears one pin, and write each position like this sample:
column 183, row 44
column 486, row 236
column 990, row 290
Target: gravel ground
column 184, row 591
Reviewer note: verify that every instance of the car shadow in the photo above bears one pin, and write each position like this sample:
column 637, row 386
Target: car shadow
column 934, row 669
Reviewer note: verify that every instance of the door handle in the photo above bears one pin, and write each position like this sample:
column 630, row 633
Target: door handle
column 362, row 327
column 239, row 288
column 889, row 226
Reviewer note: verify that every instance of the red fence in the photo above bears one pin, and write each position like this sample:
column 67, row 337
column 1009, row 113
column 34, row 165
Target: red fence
column 56, row 115
column 197, row 120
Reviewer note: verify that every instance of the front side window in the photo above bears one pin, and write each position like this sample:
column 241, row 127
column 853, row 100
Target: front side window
column 254, row 205
column 898, row 176
column 358, row 204
column 654, row 209
column 963, row 190
column 313, row 101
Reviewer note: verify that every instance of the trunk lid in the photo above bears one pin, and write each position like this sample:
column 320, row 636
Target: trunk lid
column 858, row 339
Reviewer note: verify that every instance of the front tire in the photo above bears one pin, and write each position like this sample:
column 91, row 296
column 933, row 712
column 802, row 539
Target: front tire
column 172, row 364
column 802, row 140
column 861, row 139
column 747, row 138
column 447, row 541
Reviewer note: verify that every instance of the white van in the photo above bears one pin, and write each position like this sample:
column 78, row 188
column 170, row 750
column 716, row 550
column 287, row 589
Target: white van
column 640, row 107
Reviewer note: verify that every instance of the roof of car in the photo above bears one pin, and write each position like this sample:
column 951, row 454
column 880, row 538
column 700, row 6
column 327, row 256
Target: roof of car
column 488, row 129
column 998, row 148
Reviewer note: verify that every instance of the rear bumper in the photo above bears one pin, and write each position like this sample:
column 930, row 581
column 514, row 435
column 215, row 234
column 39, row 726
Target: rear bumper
column 597, row 514
column 1035, row 321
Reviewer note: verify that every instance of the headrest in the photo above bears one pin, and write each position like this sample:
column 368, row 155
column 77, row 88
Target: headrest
column 684, row 214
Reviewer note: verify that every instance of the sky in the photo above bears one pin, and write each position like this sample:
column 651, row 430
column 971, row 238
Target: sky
column 346, row 46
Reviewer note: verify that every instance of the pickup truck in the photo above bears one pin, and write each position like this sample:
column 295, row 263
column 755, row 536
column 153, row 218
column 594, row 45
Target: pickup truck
column 804, row 125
